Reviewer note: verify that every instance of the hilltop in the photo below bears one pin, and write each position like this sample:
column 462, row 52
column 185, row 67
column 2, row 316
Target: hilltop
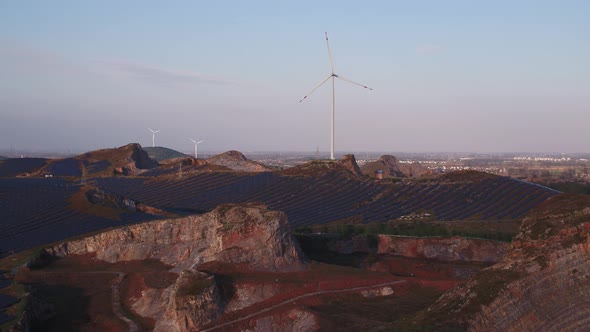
column 391, row 167
column 236, row 161
column 160, row 153
column 128, row 159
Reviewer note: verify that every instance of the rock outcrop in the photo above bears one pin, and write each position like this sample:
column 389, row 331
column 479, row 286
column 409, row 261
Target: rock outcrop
column 230, row 233
column 236, row 161
column 346, row 166
column 391, row 167
column 543, row 283
column 349, row 163
column 125, row 160
column 445, row 249
column 247, row 236
column 99, row 197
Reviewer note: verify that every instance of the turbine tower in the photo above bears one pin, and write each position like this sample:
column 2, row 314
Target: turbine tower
column 196, row 146
column 332, row 76
column 154, row 132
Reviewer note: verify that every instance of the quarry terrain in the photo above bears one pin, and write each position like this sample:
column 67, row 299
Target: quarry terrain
column 122, row 242
column 235, row 268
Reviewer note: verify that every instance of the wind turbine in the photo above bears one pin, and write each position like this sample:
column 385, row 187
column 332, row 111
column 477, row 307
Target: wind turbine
column 196, row 146
column 332, row 76
column 154, row 132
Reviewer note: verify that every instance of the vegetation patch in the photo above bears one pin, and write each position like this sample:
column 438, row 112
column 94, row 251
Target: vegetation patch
column 490, row 231
column 489, row 284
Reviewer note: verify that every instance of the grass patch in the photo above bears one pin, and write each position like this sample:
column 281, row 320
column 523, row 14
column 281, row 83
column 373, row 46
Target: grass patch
column 497, row 231
column 489, row 284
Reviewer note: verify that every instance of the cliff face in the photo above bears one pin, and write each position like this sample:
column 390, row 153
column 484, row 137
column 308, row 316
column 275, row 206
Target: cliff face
column 230, row 233
column 543, row 283
column 449, row 249
column 443, row 249
column 249, row 236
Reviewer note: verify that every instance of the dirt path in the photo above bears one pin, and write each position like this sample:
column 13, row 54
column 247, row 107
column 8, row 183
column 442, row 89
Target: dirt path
column 116, row 302
column 291, row 300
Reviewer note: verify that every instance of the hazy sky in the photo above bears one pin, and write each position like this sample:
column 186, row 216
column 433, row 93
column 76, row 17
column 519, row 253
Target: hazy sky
column 478, row 76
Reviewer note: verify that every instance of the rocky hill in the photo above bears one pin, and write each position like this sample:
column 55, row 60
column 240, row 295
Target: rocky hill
column 128, row 159
column 347, row 166
column 543, row 282
column 236, row 161
column 391, row 167
column 160, row 153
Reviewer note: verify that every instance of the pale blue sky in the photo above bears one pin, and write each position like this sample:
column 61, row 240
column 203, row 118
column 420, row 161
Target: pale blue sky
column 447, row 75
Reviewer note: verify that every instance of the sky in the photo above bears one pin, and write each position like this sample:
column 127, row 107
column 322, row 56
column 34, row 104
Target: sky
column 447, row 76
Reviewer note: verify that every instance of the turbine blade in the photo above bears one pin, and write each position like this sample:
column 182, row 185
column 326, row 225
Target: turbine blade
column 330, row 54
column 353, row 82
column 193, row 140
column 199, row 142
column 317, row 87
column 150, row 130
column 157, row 131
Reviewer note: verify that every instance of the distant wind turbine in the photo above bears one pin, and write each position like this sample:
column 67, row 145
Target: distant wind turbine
column 196, row 146
column 332, row 76
column 154, row 132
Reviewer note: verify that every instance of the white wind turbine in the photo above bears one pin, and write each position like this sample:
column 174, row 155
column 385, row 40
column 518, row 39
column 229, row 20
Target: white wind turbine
column 196, row 146
column 332, row 76
column 154, row 132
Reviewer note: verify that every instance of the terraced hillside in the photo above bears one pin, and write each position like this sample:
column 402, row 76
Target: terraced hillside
column 35, row 211
column 331, row 197
column 16, row 166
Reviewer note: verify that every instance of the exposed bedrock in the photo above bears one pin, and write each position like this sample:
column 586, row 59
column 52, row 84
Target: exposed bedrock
column 249, row 236
column 238, row 234
column 451, row 249
column 445, row 249
column 543, row 282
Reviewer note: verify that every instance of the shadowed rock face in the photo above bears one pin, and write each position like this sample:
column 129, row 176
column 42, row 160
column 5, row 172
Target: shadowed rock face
column 543, row 282
column 349, row 163
column 393, row 168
